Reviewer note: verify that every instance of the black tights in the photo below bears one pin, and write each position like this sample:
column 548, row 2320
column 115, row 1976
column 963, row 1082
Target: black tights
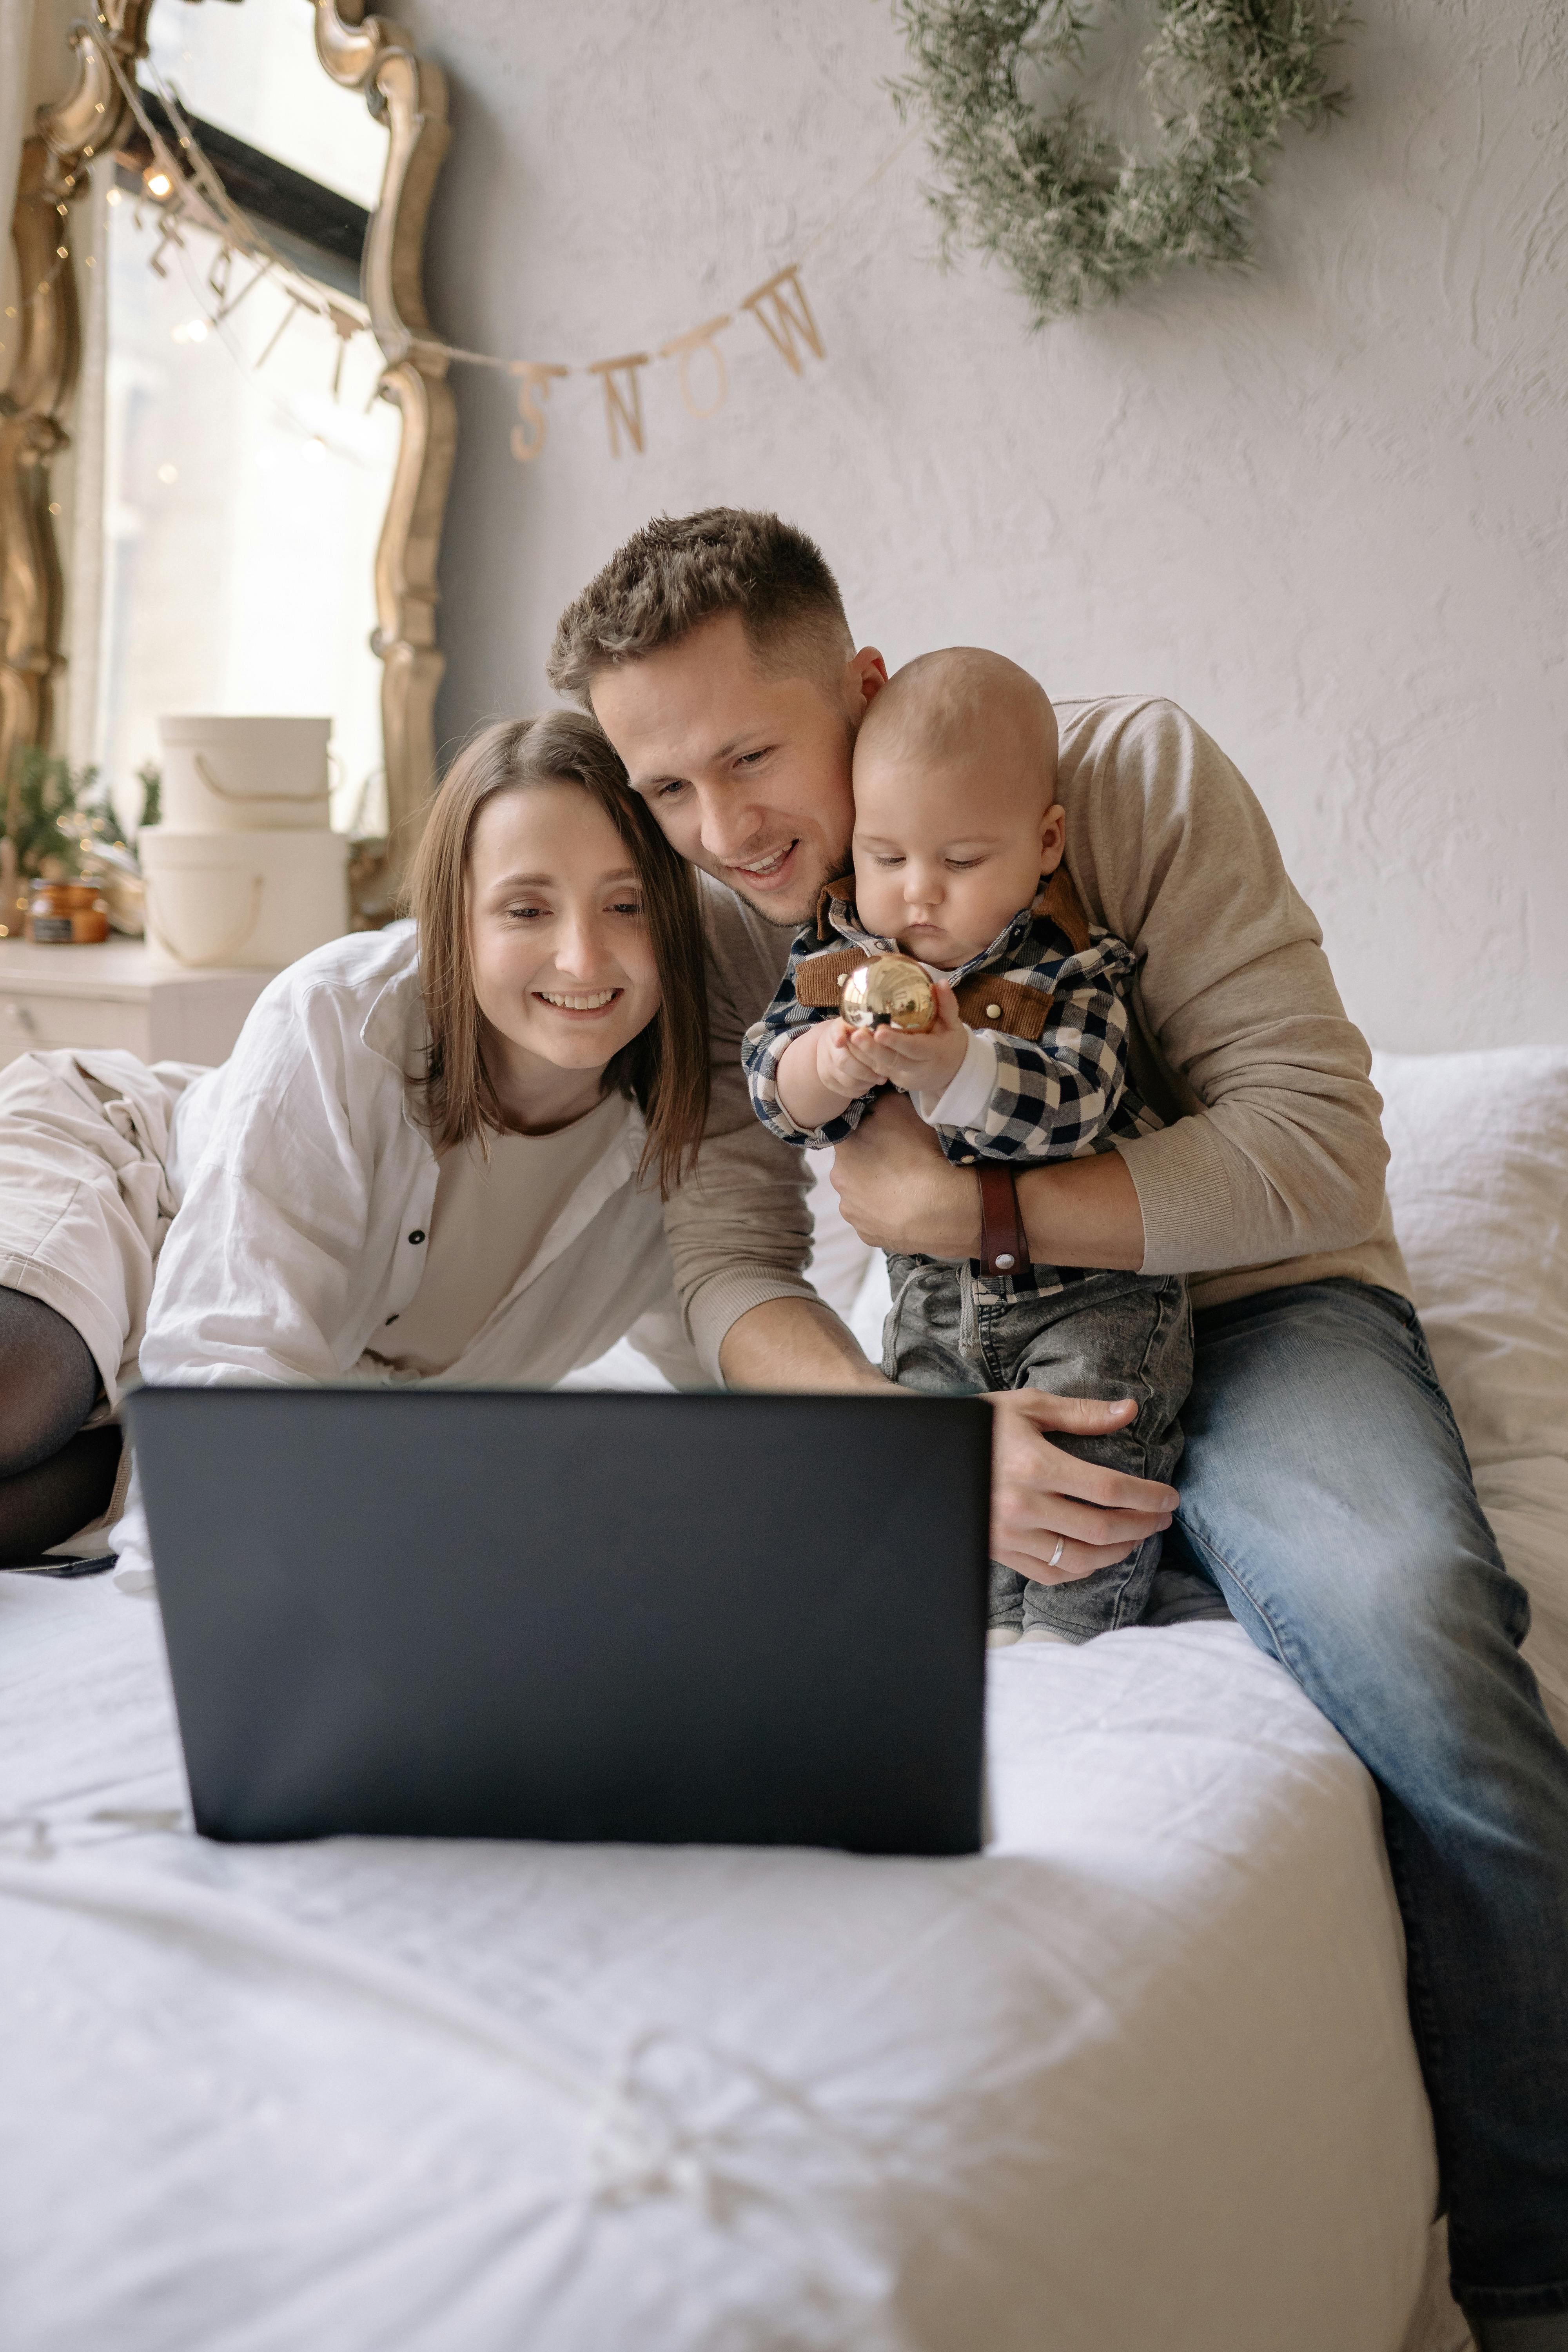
column 55, row 1475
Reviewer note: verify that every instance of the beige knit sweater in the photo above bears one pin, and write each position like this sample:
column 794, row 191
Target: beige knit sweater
column 1271, row 1169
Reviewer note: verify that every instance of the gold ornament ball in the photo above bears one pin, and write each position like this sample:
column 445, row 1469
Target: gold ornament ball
column 890, row 990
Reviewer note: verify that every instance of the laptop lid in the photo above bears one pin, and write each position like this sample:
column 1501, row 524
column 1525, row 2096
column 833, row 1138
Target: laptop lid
column 461, row 1612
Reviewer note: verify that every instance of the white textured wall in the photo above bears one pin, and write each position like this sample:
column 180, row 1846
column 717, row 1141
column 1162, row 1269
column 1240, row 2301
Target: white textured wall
column 1325, row 508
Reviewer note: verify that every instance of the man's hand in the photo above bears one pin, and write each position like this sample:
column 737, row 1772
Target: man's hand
column 1038, row 1492
column 899, row 1194
column 897, row 1190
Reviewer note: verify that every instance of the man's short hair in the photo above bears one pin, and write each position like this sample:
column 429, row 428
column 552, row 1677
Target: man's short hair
column 680, row 570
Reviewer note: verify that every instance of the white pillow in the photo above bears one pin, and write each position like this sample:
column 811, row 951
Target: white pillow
column 1478, row 1183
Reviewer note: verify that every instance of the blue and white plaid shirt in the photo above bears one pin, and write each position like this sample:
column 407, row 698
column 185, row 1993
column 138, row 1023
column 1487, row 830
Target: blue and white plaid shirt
column 1057, row 1094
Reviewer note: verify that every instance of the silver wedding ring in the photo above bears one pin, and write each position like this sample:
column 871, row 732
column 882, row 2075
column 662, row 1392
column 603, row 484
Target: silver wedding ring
column 1054, row 1559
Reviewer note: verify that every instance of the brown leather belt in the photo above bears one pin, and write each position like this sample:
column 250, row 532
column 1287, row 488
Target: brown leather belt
column 1003, row 1246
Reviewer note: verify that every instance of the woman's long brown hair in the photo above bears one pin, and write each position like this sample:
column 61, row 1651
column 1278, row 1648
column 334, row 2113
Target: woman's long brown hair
column 665, row 1067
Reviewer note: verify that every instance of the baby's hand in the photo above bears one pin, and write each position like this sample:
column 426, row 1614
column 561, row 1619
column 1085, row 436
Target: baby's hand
column 822, row 1072
column 921, row 1061
column 842, row 1068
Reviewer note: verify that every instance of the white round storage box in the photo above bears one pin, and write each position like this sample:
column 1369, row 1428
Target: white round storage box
column 240, row 775
column 252, row 901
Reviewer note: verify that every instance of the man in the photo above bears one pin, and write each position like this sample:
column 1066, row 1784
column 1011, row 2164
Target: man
column 1324, row 1490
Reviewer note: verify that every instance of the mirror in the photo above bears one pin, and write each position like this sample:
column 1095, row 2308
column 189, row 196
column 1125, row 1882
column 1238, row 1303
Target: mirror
column 248, row 462
column 223, row 224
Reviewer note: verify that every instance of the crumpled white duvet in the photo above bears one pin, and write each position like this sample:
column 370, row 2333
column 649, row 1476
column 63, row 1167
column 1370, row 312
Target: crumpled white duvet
column 1138, row 2076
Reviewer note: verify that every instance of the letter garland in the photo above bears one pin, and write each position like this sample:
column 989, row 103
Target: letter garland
column 780, row 308
column 1055, row 195
column 196, row 195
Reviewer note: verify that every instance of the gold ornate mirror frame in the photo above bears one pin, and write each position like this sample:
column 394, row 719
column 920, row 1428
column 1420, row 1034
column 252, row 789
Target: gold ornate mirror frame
column 408, row 95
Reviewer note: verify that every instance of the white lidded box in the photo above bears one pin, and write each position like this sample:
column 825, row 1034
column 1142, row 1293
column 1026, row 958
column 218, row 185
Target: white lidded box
column 226, row 774
column 250, row 901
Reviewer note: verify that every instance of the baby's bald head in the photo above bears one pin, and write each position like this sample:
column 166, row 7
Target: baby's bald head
column 955, row 778
column 946, row 708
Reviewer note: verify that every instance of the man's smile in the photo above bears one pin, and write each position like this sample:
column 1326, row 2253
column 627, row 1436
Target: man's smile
column 768, row 871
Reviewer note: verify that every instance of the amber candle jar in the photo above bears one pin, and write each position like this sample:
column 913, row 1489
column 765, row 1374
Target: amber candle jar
column 67, row 914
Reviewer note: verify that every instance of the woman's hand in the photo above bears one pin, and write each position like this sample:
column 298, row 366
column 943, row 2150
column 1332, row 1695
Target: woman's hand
column 899, row 1192
column 1039, row 1493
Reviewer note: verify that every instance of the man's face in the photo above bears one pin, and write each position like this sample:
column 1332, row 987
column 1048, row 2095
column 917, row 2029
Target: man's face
column 748, row 775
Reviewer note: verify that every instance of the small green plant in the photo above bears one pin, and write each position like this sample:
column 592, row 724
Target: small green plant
column 42, row 789
column 150, row 776
column 55, row 814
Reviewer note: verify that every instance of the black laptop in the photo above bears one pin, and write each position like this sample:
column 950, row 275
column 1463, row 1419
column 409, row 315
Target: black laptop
column 509, row 1614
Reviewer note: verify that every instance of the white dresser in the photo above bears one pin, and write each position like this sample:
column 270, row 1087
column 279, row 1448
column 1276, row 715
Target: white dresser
column 112, row 995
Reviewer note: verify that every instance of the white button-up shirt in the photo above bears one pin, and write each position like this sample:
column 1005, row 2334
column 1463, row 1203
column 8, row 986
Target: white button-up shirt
column 307, row 1185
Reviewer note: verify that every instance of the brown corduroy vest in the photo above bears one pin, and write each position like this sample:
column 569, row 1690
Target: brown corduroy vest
column 1014, row 1007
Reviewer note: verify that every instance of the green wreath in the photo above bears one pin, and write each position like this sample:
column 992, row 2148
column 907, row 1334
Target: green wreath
column 1076, row 218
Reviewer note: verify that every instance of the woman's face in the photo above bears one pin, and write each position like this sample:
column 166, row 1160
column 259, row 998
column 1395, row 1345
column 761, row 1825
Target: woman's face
column 564, row 967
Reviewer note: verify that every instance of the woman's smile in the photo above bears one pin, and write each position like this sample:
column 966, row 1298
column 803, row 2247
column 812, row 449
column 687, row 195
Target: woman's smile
column 579, row 1004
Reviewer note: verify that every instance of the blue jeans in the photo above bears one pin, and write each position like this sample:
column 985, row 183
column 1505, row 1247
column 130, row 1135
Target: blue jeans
column 1327, row 1494
column 1109, row 1335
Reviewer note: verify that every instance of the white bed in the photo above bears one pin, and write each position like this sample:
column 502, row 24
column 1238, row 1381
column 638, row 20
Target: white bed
column 1139, row 2076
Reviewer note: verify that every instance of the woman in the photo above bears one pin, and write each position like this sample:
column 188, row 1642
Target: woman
column 439, row 1149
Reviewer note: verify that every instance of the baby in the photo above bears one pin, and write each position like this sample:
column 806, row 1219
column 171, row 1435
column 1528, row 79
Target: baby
column 958, row 849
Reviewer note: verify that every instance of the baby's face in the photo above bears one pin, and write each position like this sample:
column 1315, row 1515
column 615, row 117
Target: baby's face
column 947, row 850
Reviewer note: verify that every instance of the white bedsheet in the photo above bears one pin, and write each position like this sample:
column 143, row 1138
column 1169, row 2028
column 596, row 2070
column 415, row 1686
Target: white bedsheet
column 1138, row 2076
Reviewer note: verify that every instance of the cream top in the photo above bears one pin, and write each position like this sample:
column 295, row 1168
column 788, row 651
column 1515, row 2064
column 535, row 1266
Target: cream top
column 309, row 1192
column 306, row 1189
column 489, row 1217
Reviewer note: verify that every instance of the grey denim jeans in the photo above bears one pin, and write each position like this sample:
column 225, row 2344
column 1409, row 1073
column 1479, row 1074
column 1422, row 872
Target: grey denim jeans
column 949, row 1332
